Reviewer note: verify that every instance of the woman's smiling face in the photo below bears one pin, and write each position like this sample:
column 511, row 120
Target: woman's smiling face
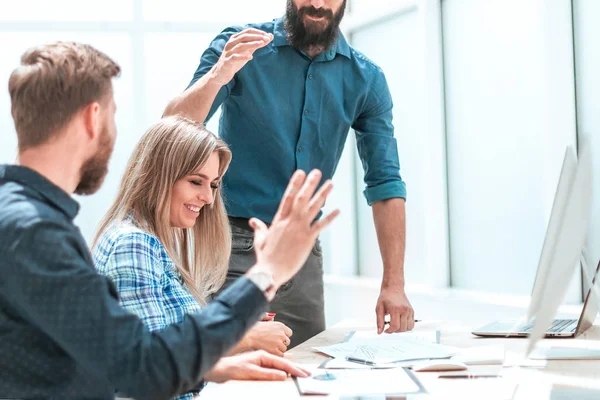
column 194, row 191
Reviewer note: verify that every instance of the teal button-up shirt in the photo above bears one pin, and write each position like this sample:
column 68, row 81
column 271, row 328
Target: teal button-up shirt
column 285, row 111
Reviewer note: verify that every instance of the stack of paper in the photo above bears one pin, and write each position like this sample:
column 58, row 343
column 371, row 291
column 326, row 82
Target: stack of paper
column 388, row 349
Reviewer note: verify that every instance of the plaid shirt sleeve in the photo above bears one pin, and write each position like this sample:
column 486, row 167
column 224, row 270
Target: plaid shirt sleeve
column 136, row 270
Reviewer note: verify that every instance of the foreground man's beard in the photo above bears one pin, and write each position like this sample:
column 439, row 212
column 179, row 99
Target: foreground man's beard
column 95, row 169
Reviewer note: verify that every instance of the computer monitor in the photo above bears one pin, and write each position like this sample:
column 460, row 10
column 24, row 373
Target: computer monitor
column 563, row 189
column 566, row 254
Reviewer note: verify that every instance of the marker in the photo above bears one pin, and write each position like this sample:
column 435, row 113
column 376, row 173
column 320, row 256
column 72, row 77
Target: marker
column 360, row 361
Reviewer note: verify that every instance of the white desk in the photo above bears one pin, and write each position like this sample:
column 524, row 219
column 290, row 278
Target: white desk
column 532, row 382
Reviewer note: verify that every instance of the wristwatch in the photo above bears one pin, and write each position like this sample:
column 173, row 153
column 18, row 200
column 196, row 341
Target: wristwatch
column 264, row 281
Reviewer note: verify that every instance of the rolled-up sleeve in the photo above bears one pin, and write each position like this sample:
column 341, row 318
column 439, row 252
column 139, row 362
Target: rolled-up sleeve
column 377, row 147
column 208, row 59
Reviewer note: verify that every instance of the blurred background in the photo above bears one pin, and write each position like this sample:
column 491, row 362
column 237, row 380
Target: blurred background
column 487, row 96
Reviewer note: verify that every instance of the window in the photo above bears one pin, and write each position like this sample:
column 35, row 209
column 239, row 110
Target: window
column 510, row 114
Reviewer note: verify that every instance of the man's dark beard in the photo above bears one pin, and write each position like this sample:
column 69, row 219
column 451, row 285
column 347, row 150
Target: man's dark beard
column 312, row 35
column 94, row 170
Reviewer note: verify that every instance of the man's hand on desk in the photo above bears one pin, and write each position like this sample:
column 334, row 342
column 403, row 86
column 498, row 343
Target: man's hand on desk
column 393, row 301
column 257, row 365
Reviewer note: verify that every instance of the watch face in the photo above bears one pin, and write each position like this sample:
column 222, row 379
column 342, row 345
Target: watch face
column 262, row 279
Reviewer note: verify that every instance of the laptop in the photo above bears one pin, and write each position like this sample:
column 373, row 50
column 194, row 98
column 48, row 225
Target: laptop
column 559, row 327
column 567, row 256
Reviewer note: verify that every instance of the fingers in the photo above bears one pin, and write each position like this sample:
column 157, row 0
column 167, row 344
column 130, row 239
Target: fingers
column 318, row 200
column 249, row 47
column 307, row 190
column 260, row 232
column 282, row 347
column 410, row 322
column 249, row 31
column 246, row 37
column 394, row 322
column 323, row 223
column 401, row 319
column 288, row 332
column 258, row 373
column 380, row 312
column 270, row 361
column 290, row 193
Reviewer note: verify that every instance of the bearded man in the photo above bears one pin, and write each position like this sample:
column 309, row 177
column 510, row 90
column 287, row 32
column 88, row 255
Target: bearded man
column 290, row 91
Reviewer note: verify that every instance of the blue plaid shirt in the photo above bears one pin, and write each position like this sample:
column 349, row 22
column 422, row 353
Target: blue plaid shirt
column 146, row 278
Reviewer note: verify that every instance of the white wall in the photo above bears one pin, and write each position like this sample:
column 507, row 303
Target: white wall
column 510, row 112
column 401, row 63
column 403, row 43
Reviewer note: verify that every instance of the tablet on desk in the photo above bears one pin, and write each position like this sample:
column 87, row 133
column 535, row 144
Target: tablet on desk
column 377, row 383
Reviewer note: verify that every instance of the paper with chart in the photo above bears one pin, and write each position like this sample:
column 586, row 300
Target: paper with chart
column 359, row 382
column 388, row 349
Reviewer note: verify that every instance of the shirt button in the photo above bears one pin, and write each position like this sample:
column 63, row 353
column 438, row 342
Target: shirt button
column 300, row 149
column 305, row 112
column 310, row 76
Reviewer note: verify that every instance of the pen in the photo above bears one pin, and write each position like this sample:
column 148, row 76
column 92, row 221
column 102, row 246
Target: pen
column 360, row 361
column 467, row 376
column 388, row 322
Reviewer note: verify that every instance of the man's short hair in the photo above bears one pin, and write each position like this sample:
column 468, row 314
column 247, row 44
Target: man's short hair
column 53, row 83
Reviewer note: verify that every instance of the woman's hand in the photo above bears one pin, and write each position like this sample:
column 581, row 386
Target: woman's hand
column 272, row 337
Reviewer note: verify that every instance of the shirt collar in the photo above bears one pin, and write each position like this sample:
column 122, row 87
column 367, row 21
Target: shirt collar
column 340, row 46
column 32, row 179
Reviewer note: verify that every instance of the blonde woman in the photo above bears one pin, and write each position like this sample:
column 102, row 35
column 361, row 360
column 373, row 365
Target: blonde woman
column 165, row 241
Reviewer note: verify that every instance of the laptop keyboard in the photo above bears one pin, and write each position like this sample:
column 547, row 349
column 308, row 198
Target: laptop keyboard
column 557, row 326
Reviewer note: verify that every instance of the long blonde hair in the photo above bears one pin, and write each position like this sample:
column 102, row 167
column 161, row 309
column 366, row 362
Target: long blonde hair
column 171, row 149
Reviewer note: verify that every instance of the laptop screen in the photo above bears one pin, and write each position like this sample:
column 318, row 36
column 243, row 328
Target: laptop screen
column 565, row 182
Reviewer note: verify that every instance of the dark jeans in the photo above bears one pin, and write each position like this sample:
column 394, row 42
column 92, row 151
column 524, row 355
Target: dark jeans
column 299, row 303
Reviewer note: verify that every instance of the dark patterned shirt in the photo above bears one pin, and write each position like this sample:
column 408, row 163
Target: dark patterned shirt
column 63, row 334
